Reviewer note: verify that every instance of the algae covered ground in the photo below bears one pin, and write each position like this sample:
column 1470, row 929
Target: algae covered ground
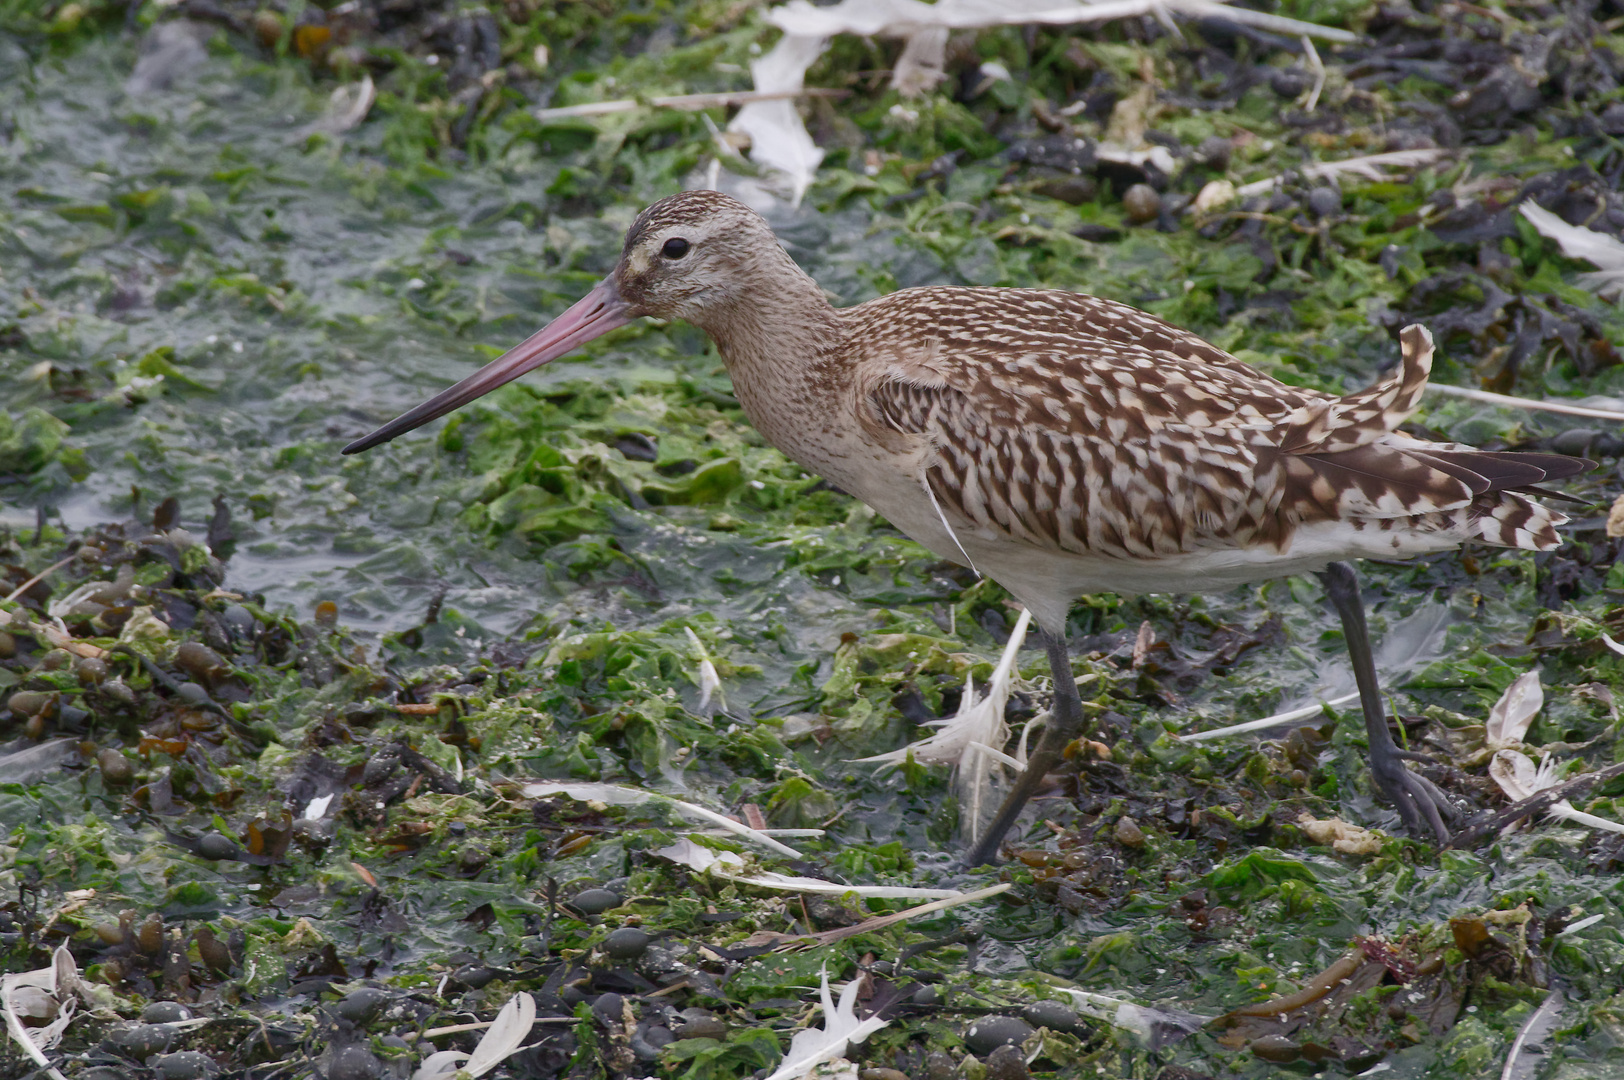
column 270, row 713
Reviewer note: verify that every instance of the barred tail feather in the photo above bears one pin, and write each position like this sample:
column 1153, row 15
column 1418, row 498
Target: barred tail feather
column 1509, row 519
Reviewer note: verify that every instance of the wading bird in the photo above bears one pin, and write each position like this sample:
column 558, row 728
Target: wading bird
column 1062, row 444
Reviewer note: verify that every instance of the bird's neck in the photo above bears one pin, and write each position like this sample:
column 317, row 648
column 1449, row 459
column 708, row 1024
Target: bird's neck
column 782, row 341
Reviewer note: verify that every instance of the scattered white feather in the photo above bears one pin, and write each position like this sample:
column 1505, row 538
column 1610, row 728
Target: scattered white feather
column 1613, row 644
column 1583, row 924
column 504, row 1038
column 1529, row 1055
column 317, row 808
column 1411, row 644
column 811, row 1047
column 976, row 721
column 709, row 682
column 43, row 992
column 779, row 140
column 1512, row 715
column 1604, row 252
column 726, row 864
column 970, row 739
column 1149, row 1024
column 616, row 795
column 1368, row 167
column 1518, row 777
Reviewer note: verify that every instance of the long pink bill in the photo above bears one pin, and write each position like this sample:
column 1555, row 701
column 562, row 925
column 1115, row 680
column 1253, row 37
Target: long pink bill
column 594, row 315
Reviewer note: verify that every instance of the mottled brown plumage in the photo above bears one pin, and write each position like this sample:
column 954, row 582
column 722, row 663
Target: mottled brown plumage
column 1059, row 443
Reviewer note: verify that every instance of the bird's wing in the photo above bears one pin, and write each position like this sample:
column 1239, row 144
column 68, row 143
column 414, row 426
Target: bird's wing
column 1071, row 422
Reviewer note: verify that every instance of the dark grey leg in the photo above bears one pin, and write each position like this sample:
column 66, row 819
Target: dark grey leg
column 1065, row 724
column 1421, row 805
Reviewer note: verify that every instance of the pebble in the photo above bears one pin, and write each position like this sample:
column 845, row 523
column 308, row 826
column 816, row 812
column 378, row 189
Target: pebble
column 609, row 1009
column 186, row 1065
column 939, row 1066
column 927, row 995
column 354, row 1063
column 1276, row 1049
column 8, row 646
column 119, row 691
column 91, row 671
column 1574, row 442
column 115, row 767
column 1007, row 1063
column 360, row 1006
column 213, row 845
column 1142, row 203
column 165, row 1012
column 192, row 692
column 199, row 661
column 1054, row 1016
column 56, row 660
column 1324, row 201
column 1128, row 832
column 29, row 702
column 991, row 1032
column 881, row 1074
column 700, row 1024
column 141, row 1040
column 595, row 901
column 627, row 943
column 1214, row 152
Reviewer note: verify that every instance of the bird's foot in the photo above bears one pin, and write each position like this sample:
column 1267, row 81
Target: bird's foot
column 1422, row 805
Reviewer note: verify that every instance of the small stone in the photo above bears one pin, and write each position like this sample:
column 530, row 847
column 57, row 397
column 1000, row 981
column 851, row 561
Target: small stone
column 474, row 976
column 939, row 1066
column 1574, row 442
column 199, row 661
column 1214, row 152
column 1276, row 1049
column 1054, row 1016
column 56, row 660
column 119, row 690
column 192, row 692
column 1069, row 189
column 360, row 1006
column 150, row 937
column 186, row 1065
column 215, row 846
column 1142, row 203
column 1290, row 82
column 595, row 901
column 991, row 1032
column 699, row 1024
column 1324, row 201
column 1007, row 1063
column 30, row 702
column 658, row 1036
column 881, row 1074
column 115, row 767
column 8, row 646
column 609, row 1010
column 91, row 671
column 627, row 943
column 354, row 1063
column 141, row 1041
column 213, row 951
column 1128, row 832
column 165, row 1012
column 927, row 995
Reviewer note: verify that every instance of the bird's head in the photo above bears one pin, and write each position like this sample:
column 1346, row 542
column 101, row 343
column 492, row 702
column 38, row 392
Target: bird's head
column 683, row 259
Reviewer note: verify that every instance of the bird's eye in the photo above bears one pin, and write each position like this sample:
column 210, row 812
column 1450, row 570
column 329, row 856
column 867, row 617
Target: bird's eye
column 675, row 248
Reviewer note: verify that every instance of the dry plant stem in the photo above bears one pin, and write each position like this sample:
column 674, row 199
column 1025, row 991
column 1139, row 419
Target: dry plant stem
column 39, row 577
column 689, row 102
column 1065, row 724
